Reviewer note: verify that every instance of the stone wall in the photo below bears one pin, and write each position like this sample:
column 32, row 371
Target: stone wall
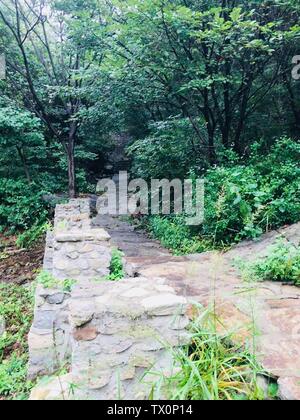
column 75, row 253
column 111, row 336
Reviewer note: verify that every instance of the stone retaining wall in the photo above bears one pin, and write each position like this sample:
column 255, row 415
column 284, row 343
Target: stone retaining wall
column 75, row 253
column 109, row 335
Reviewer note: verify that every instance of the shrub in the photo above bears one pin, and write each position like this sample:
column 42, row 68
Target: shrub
column 282, row 264
column 242, row 202
column 176, row 235
column 22, row 205
column 245, row 201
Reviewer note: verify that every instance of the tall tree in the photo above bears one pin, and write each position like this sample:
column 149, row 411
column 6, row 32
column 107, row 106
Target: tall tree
column 211, row 62
column 51, row 55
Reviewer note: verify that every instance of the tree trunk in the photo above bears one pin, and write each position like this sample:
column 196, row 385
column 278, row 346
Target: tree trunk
column 71, row 166
column 211, row 145
column 24, row 163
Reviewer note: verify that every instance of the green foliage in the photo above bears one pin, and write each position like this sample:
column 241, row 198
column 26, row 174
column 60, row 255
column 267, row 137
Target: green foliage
column 245, row 201
column 48, row 281
column 30, row 237
column 22, row 205
column 282, row 264
column 241, row 201
column 68, row 284
column 116, row 266
column 170, row 152
column 273, row 390
column 21, row 141
column 16, row 306
column 210, row 66
column 211, row 367
column 176, row 235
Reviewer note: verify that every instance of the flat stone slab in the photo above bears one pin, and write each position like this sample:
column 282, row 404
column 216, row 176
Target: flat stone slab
column 81, row 236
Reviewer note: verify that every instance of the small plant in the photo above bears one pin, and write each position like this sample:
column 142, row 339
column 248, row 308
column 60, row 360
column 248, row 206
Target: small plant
column 48, row 281
column 116, row 266
column 68, row 285
column 282, row 264
column 30, row 237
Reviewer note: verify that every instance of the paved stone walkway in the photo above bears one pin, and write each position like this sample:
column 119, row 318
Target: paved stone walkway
column 264, row 315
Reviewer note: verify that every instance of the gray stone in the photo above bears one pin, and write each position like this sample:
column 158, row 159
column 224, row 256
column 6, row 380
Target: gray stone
column 83, row 264
column 52, row 389
column 45, row 320
column 81, row 312
column 165, row 304
column 56, row 299
column 82, row 236
column 2, row 325
column 60, row 263
column 136, row 292
column 99, row 380
column 73, row 255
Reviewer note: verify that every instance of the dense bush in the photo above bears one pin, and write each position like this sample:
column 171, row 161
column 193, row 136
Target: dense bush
column 243, row 201
column 246, row 201
column 22, row 205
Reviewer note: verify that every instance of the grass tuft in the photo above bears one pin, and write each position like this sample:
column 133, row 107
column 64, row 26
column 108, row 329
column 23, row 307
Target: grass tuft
column 211, row 367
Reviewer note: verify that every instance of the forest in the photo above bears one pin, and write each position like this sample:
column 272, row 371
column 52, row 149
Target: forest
column 194, row 89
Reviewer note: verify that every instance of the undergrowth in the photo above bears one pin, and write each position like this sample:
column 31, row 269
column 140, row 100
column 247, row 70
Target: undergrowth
column 31, row 236
column 16, row 307
column 281, row 264
column 243, row 200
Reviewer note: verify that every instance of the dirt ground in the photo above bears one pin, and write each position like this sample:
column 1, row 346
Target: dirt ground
column 19, row 265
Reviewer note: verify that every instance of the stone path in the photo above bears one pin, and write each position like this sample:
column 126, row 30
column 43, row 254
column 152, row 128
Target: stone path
column 265, row 315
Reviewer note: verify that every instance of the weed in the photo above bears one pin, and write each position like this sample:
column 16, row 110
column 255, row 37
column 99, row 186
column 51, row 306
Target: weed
column 116, row 266
column 48, row 281
column 211, row 367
